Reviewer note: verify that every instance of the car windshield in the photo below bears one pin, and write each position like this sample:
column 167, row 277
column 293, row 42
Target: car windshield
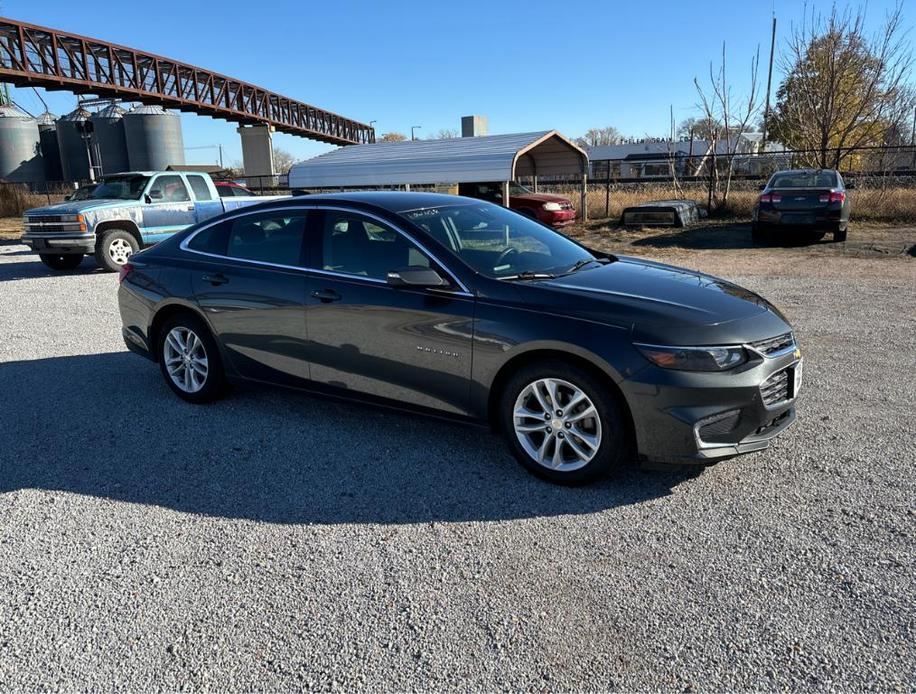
column 517, row 189
column 499, row 243
column 804, row 179
column 119, row 188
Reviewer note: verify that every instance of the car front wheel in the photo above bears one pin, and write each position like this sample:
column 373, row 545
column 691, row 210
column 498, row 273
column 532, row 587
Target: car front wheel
column 189, row 360
column 562, row 424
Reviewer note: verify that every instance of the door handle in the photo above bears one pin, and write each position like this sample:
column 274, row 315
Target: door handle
column 326, row 296
column 216, row 280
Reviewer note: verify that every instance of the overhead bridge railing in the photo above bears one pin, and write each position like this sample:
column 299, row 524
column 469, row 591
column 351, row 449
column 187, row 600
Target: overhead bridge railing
column 34, row 56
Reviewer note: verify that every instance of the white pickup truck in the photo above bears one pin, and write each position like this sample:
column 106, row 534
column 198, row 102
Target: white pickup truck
column 122, row 214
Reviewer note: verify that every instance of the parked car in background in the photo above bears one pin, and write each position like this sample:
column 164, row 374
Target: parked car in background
column 552, row 210
column 461, row 307
column 121, row 214
column 809, row 201
column 231, row 189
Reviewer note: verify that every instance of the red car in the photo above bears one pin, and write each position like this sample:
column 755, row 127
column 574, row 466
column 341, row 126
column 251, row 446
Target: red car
column 229, row 189
column 553, row 210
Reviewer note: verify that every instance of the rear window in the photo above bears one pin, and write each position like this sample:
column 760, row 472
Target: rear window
column 804, row 179
column 200, row 187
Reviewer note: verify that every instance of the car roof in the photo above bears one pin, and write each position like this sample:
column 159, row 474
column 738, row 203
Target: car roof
column 392, row 201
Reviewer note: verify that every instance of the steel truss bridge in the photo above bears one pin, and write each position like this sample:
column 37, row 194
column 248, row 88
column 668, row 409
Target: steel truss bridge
column 35, row 56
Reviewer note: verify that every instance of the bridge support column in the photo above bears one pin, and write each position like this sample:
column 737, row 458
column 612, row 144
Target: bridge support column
column 258, row 154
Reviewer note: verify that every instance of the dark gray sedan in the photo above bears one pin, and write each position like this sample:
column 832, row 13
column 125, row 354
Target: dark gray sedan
column 807, row 201
column 458, row 307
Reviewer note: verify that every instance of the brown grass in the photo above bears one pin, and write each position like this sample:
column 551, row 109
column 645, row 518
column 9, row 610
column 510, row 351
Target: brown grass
column 897, row 205
column 16, row 199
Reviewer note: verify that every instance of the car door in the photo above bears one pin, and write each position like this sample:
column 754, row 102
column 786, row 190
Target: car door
column 206, row 204
column 252, row 286
column 168, row 208
column 410, row 345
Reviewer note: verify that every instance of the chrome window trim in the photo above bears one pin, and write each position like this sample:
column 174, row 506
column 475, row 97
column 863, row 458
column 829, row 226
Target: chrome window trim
column 299, row 208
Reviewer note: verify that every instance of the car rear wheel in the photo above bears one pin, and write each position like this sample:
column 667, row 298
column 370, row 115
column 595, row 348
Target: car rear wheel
column 561, row 423
column 839, row 235
column 189, row 360
column 114, row 248
column 61, row 261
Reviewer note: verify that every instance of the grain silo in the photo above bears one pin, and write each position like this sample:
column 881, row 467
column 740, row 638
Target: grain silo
column 50, row 152
column 74, row 157
column 108, row 134
column 20, row 152
column 153, row 138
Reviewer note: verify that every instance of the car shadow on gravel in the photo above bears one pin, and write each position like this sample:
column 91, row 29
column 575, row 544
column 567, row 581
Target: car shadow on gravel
column 35, row 269
column 723, row 236
column 107, row 426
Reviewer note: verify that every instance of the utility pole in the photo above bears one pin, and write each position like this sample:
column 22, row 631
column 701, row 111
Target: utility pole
column 412, row 128
column 766, row 111
column 913, row 139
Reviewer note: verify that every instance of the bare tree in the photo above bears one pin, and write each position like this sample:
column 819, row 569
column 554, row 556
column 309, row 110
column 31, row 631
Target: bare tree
column 844, row 89
column 597, row 137
column 444, row 134
column 392, row 137
column 283, row 160
column 719, row 105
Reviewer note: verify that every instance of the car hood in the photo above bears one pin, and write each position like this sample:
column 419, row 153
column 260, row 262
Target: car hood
column 79, row 206
column 662, row 303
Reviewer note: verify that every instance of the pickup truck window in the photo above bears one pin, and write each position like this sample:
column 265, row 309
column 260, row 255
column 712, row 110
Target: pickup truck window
column 169, row 189
column 200, row 187
column 117, row 188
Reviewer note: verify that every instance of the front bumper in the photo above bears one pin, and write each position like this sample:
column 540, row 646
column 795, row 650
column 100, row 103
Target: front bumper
column 692, row 417
column 63, row 243
column 560, row 218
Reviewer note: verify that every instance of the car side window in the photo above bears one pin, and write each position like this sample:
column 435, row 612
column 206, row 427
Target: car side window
column 200, row 187
column 169, row 189
column 213, row 239
column 355, row 245
column 224, row 191
column 269, row 237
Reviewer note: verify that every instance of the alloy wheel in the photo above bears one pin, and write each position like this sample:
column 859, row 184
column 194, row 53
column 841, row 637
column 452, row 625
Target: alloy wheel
column 557, row 424
column 185, row 359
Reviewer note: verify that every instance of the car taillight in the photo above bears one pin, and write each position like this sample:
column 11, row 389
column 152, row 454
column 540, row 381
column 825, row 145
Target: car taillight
column 833, row 197
column 124, row 271
column 770, row 197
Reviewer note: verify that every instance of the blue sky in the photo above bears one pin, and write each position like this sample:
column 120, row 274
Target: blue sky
column 526, row 65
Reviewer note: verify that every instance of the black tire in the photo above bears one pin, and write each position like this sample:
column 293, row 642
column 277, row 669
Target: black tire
column 530, row 214
column 839, row 236
column 818, row 236
column 214, row 384
column 113, row 247
column 613, row 445
column 758, row 235
column 61, row 261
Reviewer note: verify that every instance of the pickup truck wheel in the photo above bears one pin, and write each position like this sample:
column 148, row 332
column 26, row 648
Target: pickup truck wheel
column 58, row 261
column 114, row 248
column 190, row 361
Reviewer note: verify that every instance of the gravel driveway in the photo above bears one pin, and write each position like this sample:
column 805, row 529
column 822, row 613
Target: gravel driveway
column 279, row 541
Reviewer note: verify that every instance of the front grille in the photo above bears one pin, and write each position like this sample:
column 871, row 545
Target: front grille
column 43, row 219
column 776, row 388
column 774, row 344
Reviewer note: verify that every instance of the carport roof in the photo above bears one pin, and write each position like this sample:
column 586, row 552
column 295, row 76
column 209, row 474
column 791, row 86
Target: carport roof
column 457, row 160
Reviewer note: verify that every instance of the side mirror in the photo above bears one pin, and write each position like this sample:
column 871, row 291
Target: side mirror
column 416, row 277
column 154, row 194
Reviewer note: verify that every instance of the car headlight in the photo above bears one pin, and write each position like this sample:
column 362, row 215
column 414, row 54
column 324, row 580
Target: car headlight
column 71, row 218
column 552, row 206
column 694, row 358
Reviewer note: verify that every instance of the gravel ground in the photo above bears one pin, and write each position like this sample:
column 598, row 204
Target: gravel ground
column 275, row 541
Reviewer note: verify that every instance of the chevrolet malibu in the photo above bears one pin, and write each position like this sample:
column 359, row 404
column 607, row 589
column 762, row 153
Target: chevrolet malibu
column 458, row 307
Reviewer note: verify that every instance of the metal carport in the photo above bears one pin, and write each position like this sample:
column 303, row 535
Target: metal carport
column 491, row 158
